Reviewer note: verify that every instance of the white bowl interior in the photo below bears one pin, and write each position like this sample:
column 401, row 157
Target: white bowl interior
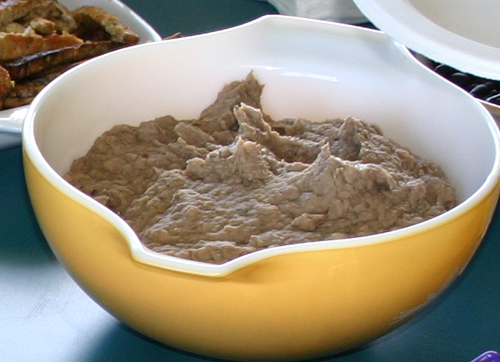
column 312, row 69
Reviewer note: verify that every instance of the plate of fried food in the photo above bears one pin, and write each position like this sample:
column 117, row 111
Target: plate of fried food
column 41, row 39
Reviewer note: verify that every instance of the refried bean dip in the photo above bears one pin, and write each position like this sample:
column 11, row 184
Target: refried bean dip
column 235, row 181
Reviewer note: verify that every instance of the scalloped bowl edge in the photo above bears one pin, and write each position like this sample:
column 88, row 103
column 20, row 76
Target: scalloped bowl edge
column 254, row 306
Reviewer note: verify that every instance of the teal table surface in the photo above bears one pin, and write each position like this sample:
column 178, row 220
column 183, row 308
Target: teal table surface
column 45, row 317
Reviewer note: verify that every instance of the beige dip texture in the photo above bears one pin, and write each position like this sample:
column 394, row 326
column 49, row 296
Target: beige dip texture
column 235, row 181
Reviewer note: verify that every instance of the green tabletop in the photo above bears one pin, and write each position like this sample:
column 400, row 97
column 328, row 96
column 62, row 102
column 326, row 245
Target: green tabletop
column 45, row 317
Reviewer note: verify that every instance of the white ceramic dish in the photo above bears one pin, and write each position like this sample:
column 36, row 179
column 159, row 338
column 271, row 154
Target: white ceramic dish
column 459, row 33
column 11, row 120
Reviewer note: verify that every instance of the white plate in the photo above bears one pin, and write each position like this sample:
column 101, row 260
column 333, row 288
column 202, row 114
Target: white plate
column 460, row 33
column 11, row 120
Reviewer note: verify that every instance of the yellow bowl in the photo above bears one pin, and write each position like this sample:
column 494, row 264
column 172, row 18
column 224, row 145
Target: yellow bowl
column 289, row 302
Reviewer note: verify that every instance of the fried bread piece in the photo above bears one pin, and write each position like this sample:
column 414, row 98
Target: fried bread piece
column 5, row 84
column 11, row 10
column 91, row 18
column 29, row 65
column 40, row 39
column 23, row 92
column 53, row 11
column 13, row 46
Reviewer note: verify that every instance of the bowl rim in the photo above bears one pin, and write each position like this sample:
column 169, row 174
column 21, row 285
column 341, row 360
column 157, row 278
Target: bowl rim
column 142, row 254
